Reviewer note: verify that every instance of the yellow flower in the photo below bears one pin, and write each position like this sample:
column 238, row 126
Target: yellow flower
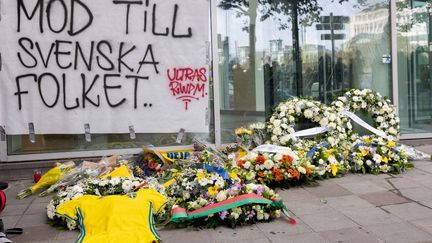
column 200, row 175
column 329, row 152
column 334, row 169
column 364, row 152
column 213, row 190
column 242, row 130
column 384, row 159
column 301, row 152
column 367, row 140
column 233, row 175
column 391, row 144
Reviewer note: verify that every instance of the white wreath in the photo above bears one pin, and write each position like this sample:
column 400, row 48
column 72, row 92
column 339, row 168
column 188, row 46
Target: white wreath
column 383, row 112
column 289, row 113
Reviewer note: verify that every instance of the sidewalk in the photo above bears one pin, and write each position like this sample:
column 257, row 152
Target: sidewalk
column 354, row 208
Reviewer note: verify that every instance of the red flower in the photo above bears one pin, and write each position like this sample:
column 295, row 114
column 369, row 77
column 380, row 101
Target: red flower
column 287, row 159
column 260, row 159
column 241, row 162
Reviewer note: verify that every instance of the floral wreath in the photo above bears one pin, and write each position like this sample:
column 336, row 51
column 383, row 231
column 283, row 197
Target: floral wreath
column 383, row 112
column 291, row 112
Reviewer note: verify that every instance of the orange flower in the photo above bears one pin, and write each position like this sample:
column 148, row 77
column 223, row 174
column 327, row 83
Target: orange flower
column 261, row 174
column 260, row 159
column 276, row 171
column 241, row 162
column 278, row 177
column 294, row 173
column 308, row 171
column 287, row 159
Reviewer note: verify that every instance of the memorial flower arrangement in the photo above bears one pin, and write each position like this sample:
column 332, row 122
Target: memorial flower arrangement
column 383, row 113
column 99, row 187
column 329, row 162
column 195, row 189
column 372, row 154
column 295, row 111
column 275, row 168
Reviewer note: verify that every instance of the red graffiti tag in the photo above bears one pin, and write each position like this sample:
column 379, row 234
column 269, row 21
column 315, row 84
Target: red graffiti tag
column 187, row 84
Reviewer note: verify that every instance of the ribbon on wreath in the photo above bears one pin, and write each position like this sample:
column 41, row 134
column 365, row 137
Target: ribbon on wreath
column 181, row 215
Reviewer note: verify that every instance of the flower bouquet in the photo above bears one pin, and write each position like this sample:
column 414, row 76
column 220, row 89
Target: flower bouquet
column 196, row 190
column 371, row 154
column 49, row 178
column 275, row 168
column 85, row 170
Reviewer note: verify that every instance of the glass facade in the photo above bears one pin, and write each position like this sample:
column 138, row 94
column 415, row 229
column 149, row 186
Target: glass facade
column 268, row 51
column 414, row 39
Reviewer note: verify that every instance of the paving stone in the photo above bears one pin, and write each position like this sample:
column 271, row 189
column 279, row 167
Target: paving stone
column 371, row 216
column 186, row 235
column 45, row 200
column 352, row 235
column 67, row 234
column 328, row 221
column 14, row 209
column 345, row 203
column 36, row 208
column 32, row 220
column 363, row 187
column 425, row 180
column 425, row 224
column 295, row 194
column 347, row 178
column 299, row 238
column 10, row 221
column 403, row 183
column 240, row 233
column 409, row 211
column 37, row 233
column 417, row 194
column 301, row 208
column 328, row 190
column 281, row 226
column 399, row 232
column 384, row 198
column 260, row 239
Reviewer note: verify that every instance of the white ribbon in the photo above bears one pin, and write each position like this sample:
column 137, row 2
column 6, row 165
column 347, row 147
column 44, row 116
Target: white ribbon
column 270, row 148
column 362, row 123
column 308, row 132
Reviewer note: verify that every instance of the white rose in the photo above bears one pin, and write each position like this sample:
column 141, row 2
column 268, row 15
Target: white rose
column 290, row 130
column 332, row 117
column 380, row 119
column 331, row 141
column 247, row 165
column 339, row 103
column 234, row 215
column 260, row 215
column 222, row 195
column 276, row 123
column 277, row 157
column 320, row 161
column 291, row 119
column 355, row 98
column 377, row 158
column 323, row 122
column 391, row 130
column 302, row 170
column 308, row 114
column 277, row 131
column 268, row 164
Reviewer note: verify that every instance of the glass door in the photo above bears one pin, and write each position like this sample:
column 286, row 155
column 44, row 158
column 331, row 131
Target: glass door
column 415, row 59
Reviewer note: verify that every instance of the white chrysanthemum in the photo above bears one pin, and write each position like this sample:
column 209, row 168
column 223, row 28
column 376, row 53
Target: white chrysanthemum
column 268, row 164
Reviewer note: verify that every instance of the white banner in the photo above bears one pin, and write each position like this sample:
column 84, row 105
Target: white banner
column 108, row 63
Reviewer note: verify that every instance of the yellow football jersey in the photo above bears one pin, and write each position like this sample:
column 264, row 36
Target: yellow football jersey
column 116, row 218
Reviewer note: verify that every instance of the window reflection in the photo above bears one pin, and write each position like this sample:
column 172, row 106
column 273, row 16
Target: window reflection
column 315, row 49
